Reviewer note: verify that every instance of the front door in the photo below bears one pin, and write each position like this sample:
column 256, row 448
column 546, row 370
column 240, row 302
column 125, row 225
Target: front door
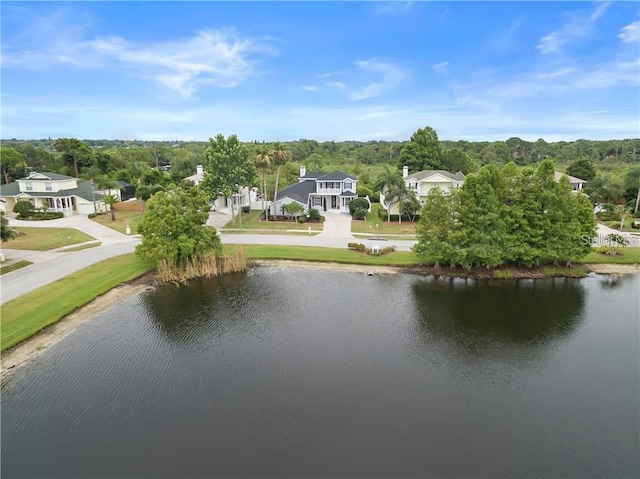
column 334, row 202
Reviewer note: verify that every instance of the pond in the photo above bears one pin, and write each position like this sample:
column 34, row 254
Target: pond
column 288, row 372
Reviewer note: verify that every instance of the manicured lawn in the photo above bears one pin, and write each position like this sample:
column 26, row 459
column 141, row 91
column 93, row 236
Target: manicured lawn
column 14, row 266
column 368, row 225
column 44, row 239
column 81, row 247
column 252, row 221
column 628, row 256
column 123, row 218
column 25, row 316
column 329, row 255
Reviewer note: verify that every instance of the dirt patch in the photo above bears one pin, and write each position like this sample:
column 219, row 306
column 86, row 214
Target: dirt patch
column 354, row 268
column 32, row 347
column 609, row 268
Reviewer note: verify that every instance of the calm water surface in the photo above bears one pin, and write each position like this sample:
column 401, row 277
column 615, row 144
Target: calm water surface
column 308, row 373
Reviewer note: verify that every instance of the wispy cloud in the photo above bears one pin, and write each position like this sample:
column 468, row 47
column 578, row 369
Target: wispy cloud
column 387, row 77
column 310, row 87
column 441, row 67
column 630, row 33
column 219, row 58
column 578, row 26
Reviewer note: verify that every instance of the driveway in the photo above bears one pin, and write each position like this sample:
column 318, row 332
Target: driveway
column 633, row 240
column 336, row 225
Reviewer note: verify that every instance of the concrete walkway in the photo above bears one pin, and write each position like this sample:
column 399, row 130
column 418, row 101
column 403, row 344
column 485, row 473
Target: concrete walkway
column 336, row 225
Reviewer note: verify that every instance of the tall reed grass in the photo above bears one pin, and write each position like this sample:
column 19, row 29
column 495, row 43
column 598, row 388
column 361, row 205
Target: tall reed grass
column 206, row 265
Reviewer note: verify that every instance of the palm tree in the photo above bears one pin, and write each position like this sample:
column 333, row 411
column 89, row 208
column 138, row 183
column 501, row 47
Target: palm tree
column 279, row 157
column 110, row 201
column 262, row 162
column 389, row 183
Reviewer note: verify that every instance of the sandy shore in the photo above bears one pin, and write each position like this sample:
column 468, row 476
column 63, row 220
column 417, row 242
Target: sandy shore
column 31, row 348
column 51, row 335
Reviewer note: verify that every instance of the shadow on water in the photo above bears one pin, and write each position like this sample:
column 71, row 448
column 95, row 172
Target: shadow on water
column 512, row 322
column 183, row 312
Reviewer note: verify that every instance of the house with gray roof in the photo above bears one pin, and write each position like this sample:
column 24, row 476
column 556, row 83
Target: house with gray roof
column 421, row 182
column 321, row 191
column 53, row 191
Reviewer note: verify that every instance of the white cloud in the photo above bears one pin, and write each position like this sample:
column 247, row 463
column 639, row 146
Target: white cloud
column 441, row 67
column 310, row 87
column 386, row 77
column 395, row 7
column 220, row 58
column 630, row 33
column 578, row 26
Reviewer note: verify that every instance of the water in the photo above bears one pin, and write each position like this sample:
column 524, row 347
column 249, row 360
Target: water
column 310, row 373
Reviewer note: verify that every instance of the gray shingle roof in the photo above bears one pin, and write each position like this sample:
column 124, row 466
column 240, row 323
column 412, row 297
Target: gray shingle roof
column 49, row 175
column 312, row 176
column 336, row 176
column 348, row 194
column 299, row 191
column 83, row 191
column 421, row 175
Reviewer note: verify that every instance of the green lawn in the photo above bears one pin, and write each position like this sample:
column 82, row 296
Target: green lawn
column 44, row 239
column 628, row 256
column 368, row 225
column 123, row 218
column 25, row 316
column 329, row 255
column 14, row 266
column 251, row 221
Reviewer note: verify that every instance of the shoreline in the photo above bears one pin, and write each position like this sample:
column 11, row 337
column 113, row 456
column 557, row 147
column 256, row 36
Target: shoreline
column 31, row 348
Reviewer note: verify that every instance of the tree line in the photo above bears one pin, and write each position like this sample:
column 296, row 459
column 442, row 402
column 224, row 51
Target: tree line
column 508, row 216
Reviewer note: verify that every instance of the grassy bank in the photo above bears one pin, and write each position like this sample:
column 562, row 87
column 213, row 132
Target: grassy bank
column 25, row 316
column 374, row 224
column 627, row 256
column 14, row 266
column 123, row 218
column 44, row 239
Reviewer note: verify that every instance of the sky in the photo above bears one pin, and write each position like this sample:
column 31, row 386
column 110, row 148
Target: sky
column 266, row 71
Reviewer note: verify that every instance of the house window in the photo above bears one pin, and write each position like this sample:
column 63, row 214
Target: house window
column 348, row 185
column 29, row 186
column 48, row 187
column 317, row 201
column 413, row 186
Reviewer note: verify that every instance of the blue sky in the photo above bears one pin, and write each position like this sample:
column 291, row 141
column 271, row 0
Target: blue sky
column 321, row 70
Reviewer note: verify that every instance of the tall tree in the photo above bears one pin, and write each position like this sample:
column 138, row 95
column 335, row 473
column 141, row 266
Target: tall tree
column 632, row 183
column 262, row 163
column 279, row 156
column 388, row 183
column 435, row 231
column 228, row 168
column 174, row 227
column 74, row 152
column 91, row 174
column 13, row 163
column 582, row 168
column 110, row 201
column 455, row 160
column 423, row 152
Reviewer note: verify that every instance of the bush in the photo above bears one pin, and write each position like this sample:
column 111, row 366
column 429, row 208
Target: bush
column 23, row 209
column 356, row 246
column 613, row 224
column 92, row 215
column 314, row 215
column 246, row 209
column 302, row 219
column 604, row 250
column 609, row 212
column 357, row 205
column 46, row 215
column 359, row 213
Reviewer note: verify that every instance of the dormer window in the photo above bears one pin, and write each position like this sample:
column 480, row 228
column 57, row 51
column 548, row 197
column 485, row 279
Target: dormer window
column 348, row 186
column 48, row 187
column 29, row 186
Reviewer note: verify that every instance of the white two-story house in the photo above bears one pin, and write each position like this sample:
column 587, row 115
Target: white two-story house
column 321, row 191
column 52, row 191
column 424, row 181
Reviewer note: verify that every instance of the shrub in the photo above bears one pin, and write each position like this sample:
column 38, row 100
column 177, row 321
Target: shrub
column 356, row 246
column 357, row 205
column 46, row 215
column 613, row 224
column 603, row 250
column 314, row 215
column 92, row 215
column 609, row 212
column 302, row 219
column 23, row 209
column 246, row 209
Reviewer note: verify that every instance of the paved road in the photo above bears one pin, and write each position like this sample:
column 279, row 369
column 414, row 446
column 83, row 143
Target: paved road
column 50, row 266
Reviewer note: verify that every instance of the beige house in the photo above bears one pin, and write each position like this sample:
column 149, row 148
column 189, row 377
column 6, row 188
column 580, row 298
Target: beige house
column 424, row 181
column 53, row 191
column 576, row 183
